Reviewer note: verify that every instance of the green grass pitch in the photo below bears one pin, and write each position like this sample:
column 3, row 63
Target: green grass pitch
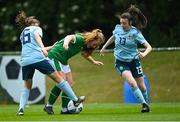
column 96, row 112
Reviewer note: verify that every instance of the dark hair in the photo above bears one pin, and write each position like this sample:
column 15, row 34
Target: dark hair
column 23, row 21
column 138, row 17
column 135, row 16
column 126, row 15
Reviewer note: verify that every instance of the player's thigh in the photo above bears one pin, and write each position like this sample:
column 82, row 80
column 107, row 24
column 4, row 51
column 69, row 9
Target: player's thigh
column 127, row 75
column 44, row 67
column 57, row 66
column 121, row 66
column 56, row 76
column 124, row 69
column 27, row 72
column 67, row 71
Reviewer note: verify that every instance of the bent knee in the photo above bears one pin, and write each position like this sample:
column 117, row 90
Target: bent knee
column 56, row 77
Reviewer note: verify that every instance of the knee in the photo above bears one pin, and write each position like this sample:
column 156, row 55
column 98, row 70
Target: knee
column 56, row 77
column 132, row 83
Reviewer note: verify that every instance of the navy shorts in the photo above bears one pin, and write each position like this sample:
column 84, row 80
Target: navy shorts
column 43, row 66
column 134, row 66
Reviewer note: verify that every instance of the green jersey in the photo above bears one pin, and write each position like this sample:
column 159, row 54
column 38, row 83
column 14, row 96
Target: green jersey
column 59, row 53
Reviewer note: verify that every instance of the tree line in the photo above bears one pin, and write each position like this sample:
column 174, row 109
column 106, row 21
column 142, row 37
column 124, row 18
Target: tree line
column 61, row 17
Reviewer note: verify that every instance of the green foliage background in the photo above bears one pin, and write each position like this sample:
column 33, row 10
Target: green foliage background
column 61, row 17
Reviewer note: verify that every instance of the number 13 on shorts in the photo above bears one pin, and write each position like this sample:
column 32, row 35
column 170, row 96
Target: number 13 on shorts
column 139, row 70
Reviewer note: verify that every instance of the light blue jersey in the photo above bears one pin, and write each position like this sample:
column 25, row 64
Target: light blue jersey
column 126, row 43
column 31, row 52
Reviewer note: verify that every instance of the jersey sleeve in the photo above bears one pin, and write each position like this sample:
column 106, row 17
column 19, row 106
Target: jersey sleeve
column 39, row 31
column 140, row 38
column 79, row 39
column 116, row 30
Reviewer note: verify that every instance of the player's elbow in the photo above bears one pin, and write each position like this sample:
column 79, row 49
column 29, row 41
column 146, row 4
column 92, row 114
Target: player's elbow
column 85, row 55
column 150, row 48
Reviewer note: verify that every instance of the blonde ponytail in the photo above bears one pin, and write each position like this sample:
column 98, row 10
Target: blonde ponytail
column 95, row 34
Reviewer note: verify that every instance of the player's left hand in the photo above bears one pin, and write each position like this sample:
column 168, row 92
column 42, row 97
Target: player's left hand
column 98, row 63
column 141, row 55
column 102, row 52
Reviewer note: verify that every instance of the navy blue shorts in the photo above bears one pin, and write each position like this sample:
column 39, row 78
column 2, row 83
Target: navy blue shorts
column 134, row 66
column 43, row 66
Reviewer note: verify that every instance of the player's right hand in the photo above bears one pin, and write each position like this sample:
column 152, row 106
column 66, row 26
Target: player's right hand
column 44, row 51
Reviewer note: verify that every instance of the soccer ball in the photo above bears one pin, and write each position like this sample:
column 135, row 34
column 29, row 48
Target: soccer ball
column 73, row 109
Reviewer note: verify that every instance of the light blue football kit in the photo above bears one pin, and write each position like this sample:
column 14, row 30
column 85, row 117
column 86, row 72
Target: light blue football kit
column 126, row 55
column 126, row 43
column 31, row 52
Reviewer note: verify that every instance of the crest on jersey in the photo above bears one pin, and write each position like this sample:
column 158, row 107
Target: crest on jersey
column 130, row 37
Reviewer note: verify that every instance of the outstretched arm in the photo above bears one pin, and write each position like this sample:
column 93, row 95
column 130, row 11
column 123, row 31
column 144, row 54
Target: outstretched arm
column 90, row 58
column 109, row 41
column 49, row 47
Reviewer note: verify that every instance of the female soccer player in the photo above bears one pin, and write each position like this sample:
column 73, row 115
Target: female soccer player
column 62, row 51
column 33, row 57
column 126, row 54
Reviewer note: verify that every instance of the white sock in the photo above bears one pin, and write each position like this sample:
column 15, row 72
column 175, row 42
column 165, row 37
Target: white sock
column 24, row 97
column 64, row 110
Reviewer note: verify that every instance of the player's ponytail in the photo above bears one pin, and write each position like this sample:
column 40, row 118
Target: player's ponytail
column 138, row 18
column 99, row 35
column 20, row 19
column 95, row 34
column 23, row 21
column 97, row 31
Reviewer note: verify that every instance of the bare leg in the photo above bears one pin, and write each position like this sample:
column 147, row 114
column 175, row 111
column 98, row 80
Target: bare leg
column 127, row 75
